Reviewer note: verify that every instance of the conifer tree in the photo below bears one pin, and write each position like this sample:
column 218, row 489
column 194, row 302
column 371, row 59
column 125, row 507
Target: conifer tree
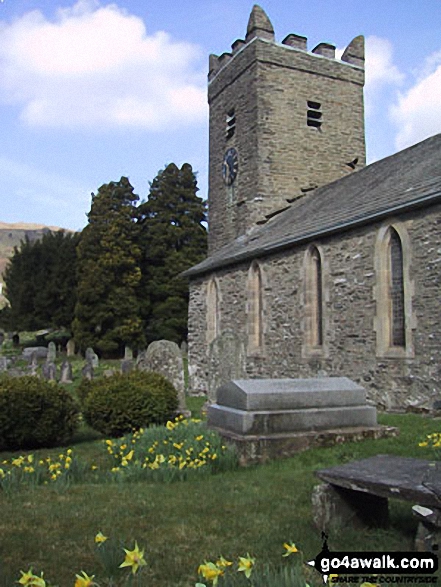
column 173, row 238
column 40, row 283
column 106, row 313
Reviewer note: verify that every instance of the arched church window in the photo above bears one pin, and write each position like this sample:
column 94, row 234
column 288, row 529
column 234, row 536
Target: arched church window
column 255, row 308
column 396, row 291
column 316, row 298
column 394, row 320
column 213, row 310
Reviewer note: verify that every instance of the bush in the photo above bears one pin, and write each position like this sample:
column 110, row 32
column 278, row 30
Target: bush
column 125, row 402
column 35, row 413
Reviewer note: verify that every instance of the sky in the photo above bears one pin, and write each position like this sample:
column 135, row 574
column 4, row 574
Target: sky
column 92, row 90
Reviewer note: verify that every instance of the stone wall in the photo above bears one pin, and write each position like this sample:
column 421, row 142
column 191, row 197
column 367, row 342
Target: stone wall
column 350, row 284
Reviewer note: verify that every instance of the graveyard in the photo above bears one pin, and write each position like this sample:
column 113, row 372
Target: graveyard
column 180, row 520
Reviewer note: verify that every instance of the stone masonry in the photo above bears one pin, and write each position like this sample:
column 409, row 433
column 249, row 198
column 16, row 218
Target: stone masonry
column 350, row 337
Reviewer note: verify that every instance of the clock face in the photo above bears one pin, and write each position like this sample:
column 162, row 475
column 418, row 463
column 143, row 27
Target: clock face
column 230, row 166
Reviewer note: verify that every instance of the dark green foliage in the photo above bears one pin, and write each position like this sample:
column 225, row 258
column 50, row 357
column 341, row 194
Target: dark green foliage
column 173, row 238
column 124, row 402
column 40, row 282
column 35, row 413
column 106, row 313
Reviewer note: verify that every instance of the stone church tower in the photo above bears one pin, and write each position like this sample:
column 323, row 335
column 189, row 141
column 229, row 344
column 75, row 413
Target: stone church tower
column 283, row 121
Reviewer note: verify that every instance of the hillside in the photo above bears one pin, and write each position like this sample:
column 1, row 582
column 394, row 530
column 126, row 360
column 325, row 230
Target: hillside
column 11, row 235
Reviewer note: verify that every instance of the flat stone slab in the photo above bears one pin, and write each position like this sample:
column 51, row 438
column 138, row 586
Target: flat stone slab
column 290, row 394
column 409, row 479
column 274, row 422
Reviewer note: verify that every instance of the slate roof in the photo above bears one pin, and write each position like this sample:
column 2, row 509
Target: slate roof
column 406, row 180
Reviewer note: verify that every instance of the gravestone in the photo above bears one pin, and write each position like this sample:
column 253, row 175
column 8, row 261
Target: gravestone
column 92, row 357
column 39, row 351
column 70, row 348
column 51, row 352
column 164, row 356
column 87, row 371
column 49, row 371
column 126, row 366
column 128, row 354
column 184, row 347
column 66, row 372
column 33, row 364
column 226, row 361
column 4, row 364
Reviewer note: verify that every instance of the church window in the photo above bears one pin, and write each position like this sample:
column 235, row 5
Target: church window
column 255, row 308
column 213, row 310
column 314, row 314
column 230, row 124
column 314, row 114
column 396, row 291
column 394, row 319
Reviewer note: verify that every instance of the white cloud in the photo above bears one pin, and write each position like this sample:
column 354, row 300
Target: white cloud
column 417, row 112
column 96, row 65
column 380, row 70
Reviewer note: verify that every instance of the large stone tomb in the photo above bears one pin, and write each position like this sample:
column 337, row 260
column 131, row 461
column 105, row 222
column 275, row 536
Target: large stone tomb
column 270, row 418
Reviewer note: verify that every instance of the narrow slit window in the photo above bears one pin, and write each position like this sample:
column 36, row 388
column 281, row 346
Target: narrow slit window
column 317, row 299
column 396, row 292
column 314, row 114
column 230, row 124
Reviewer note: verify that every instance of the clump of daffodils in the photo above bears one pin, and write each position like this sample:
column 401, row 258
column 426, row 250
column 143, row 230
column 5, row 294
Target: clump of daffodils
column 29, row 470
column 181, row 446
column 432, row 441
column 224, row 572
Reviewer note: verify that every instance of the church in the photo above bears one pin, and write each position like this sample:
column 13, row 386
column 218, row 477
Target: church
column 318, row 265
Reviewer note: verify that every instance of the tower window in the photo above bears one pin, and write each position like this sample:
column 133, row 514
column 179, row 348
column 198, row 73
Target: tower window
column 230, row 124
column 314, row 114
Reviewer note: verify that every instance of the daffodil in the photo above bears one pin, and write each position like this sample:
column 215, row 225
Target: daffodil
column 210, row 572
column 84, row 581
column 223, row 563
column 246, row 564
column 100, row 538
column 134, row 558
column 30, row 580
column 290, row 548
column 170, row 425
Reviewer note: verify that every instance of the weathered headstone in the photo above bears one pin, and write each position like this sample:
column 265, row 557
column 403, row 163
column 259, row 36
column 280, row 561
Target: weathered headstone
column 33, row 364
column 70, row 348
column 49, row 371
column 226, row 361
column 184, row 347
column 51, row 352
column 66, row 372
column 87, row 370
column 128, row 354
column 165, row 357
column 127, row 366
column 92, row 357
column 39, row 351
column 4, row 364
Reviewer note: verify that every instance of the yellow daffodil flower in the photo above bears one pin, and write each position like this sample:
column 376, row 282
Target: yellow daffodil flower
column 223, row 563
column 210, row 572
column 134, row 558
column 170, row 425
column 246, row 564
column 30, row 580
column 84, row 581
column 100, row 538
column 290, row 548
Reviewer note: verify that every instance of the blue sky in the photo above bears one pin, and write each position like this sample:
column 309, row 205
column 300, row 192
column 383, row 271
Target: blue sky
column 93, row 90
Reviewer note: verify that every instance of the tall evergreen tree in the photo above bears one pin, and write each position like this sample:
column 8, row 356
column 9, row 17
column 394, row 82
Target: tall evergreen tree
column 40, row 283
column 173, row 238
column 106, row 314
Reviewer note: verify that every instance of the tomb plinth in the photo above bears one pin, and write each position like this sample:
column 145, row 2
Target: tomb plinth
column 271, row 418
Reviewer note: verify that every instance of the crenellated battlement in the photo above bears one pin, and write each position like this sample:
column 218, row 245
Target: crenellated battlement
column 260, row 26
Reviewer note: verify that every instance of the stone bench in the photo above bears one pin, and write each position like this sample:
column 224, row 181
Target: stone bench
column 357, row 493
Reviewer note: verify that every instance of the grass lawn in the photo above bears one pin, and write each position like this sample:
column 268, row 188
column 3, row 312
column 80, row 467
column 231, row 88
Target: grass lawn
column 250, row 510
